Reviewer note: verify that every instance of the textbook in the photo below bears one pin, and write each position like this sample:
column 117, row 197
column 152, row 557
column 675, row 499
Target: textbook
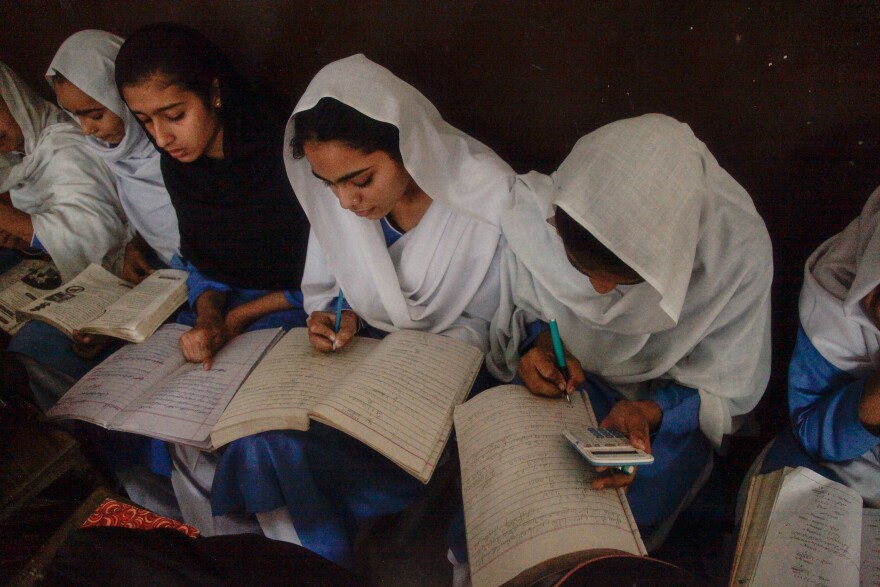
column 23, row 284
column 395, row 395
column 530, row 513
column 800, row 528
column 98, row 302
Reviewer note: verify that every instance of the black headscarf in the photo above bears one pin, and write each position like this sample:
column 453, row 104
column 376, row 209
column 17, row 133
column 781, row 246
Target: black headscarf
column 240, row 222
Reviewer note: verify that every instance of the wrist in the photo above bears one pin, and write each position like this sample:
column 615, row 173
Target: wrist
column 358, row 323
column 652, row 412
column 209, row 319
column 543, row 342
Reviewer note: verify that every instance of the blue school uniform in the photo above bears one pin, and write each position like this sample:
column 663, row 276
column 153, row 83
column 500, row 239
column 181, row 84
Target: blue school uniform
column 823, row 402
column 197, row 284
column 329, row 482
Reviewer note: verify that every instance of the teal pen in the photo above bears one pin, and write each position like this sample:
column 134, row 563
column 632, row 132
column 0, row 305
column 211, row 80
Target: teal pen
column 560, row 354
column 339, row 301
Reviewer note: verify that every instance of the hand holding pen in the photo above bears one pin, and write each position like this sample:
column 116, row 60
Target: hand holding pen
column 540, row 370
column 330, row 331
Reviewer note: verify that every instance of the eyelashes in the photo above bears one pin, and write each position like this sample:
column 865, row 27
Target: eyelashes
column 362, row 184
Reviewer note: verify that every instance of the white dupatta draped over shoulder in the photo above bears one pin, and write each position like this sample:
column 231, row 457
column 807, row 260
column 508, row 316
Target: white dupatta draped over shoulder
column 68, row 192
column 441, row 276
column 837, row 276
column 652, row 193
column 87, row 60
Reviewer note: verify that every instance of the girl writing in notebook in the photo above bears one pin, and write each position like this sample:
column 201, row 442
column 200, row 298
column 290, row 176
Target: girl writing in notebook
column 243, row 234
column 658, row 273
column 381, row 177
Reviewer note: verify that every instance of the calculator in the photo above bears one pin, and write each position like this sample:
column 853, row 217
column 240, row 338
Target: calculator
column 604, row 447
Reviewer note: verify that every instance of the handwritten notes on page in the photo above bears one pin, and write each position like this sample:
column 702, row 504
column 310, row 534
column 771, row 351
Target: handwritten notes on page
column 814, row 534
column 870, row 571
column 395, row 395
column 401, row 401
column 527, row 495
column 150, row 389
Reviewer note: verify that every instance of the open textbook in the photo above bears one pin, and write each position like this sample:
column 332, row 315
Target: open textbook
column 395, row 395
column 23, row 284
column 529, row 509
column 96, row 301
column 800, row 528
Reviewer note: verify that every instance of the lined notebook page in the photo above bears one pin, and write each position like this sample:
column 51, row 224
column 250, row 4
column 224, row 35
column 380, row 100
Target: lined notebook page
column 186, row 405
column 870, row 571
column 814, row 534
column 400, row 401
column 395, row 395
column 286, row 385
column 121, row 379
column 527, row 495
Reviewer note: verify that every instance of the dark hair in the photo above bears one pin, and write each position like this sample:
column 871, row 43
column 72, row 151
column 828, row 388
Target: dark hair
column 586, row 249
column 331, row 120
column 181, row 55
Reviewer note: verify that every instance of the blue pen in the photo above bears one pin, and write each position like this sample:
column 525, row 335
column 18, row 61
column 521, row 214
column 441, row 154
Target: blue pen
column 339, row 301
column 560, row 354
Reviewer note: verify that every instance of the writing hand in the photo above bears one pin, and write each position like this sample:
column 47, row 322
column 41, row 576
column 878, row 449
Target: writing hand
column 201, row 343
column 635, row 419
column 88, row 346
column 321, row 333
column 539, row 372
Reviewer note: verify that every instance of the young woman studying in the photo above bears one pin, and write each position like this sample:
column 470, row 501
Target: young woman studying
column 57, row 196
column 243, row 234
column 658, row 274
column 61, row 200
column 82, row 75
column 834, row 374
column 382, row 178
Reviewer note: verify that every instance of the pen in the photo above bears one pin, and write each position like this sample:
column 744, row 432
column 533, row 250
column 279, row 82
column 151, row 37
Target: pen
column 560, row 354
column 339, row 302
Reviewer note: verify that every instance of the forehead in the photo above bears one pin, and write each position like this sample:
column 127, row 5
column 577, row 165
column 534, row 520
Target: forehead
column 155, row 92
column 332, row 159
column 73, row 98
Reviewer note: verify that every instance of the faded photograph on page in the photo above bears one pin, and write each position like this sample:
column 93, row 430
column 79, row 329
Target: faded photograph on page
column 81, row 299
column 23, row 284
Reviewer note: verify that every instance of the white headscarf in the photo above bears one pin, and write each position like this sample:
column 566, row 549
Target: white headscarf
column 68, row 192
column 86, row 59
column 441, row 276
column 652, row 193
column 838, row 275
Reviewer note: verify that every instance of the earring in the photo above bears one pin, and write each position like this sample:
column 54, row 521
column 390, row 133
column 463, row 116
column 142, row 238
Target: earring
column 217, row 103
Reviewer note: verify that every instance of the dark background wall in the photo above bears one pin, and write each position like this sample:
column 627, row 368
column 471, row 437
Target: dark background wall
column 785, row 94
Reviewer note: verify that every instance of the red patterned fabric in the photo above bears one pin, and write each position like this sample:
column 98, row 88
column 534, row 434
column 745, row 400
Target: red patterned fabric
column 114, row 513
